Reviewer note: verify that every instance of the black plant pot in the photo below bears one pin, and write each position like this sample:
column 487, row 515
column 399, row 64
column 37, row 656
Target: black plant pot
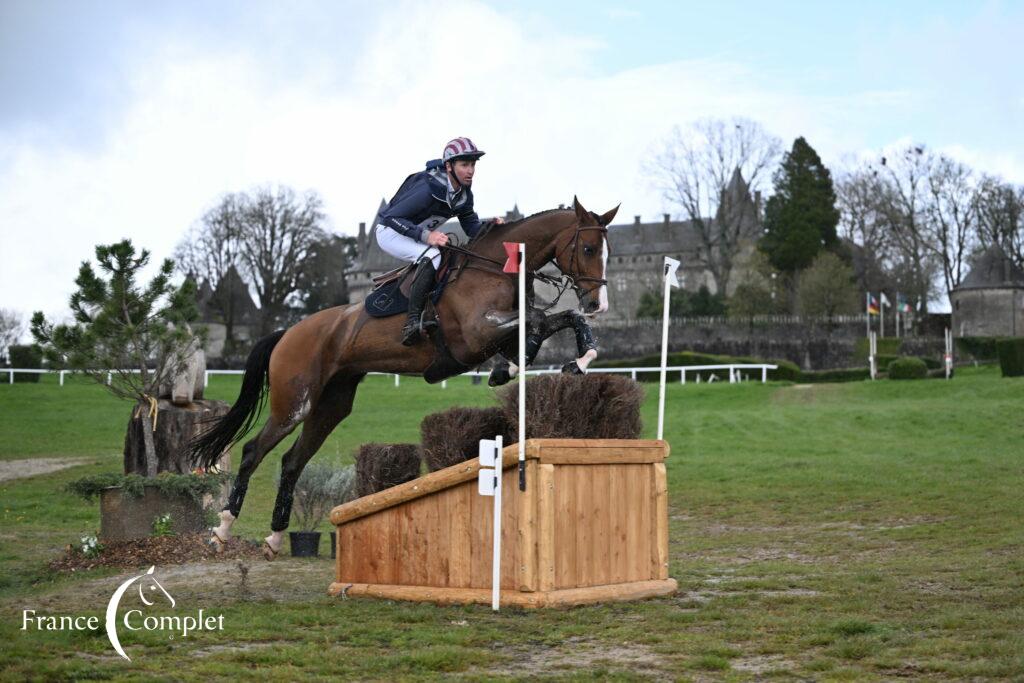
column 334, row 545
column 305, row 543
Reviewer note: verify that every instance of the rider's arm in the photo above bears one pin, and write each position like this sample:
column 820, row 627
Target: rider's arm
column 412, row 203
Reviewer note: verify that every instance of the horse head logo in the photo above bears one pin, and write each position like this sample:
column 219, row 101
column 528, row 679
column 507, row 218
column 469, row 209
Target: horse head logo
column 152, row 584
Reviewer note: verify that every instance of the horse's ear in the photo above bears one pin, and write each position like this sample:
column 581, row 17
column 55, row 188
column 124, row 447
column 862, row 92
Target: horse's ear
column 581, row 214
column 607, row 218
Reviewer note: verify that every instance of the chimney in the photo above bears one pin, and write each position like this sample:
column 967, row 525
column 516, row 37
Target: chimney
column 361, row 240
column 636, row 220
column 667, row 217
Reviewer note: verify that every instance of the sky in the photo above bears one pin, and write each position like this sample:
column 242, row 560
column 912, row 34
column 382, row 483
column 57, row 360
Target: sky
column 127, row 119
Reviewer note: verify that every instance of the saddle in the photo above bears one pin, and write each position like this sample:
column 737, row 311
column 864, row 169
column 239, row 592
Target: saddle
column 390, row 293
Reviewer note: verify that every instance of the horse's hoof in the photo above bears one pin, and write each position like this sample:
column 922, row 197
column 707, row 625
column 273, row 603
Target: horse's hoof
column 572, row 368
column 269, row 553
column 499, row 377
column 215, row 543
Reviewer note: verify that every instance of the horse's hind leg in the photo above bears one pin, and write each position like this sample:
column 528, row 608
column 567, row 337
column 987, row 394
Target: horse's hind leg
column 334, row 405
column 252, row 454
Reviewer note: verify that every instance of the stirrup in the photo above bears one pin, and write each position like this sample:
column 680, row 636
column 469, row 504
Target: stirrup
column 416, row 329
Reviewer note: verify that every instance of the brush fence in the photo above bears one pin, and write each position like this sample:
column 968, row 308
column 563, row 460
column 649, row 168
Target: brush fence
column 592, row 526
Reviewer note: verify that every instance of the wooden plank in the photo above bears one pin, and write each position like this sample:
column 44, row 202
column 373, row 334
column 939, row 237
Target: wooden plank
column 460, row 535
column 601, row 456
column 481, row 520
column 634, row 590
column 659, row 550
column 600, row 550
column 646, row 531
column 545, row 527
column 435, row 539
column 634, row 563
column 526, row 525
column 583, row 483
column 565, row 528
column 509, row 579
column 618, row 541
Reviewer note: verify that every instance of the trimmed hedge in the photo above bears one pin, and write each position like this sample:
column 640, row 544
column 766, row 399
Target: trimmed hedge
column 909, row 367
column 27, row 357
column 382, row 465
column 884, row 359
column 978, row 348
column 1011, row 356
column 453, row 436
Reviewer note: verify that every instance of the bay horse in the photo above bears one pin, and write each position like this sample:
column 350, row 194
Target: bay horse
column 312, row 369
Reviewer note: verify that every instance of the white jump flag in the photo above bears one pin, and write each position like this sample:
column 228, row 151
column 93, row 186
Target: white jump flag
column 489, row 484
column 671, row 266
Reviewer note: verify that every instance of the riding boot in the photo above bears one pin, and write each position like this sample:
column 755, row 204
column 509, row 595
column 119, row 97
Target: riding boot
column 422, row 283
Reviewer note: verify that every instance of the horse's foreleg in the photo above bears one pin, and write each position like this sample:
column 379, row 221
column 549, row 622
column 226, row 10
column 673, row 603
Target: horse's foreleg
column 586, row 344
column 334, row 405
column 505, row 369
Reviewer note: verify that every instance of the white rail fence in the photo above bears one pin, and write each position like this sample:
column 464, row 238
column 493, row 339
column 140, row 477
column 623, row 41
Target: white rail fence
column 736, row 372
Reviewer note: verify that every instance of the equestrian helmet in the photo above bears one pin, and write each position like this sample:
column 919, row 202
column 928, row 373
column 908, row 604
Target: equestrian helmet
column 461, row 148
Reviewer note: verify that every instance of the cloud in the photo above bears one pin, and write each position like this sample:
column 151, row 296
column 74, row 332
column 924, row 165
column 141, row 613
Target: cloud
column 203, row 118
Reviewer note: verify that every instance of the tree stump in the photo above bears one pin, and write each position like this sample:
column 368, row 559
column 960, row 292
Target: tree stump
column 175, row 428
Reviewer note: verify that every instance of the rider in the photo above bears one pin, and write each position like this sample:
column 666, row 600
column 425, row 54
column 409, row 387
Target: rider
column 406, row 228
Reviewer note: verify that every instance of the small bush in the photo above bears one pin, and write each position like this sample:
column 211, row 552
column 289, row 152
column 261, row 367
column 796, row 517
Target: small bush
column 194, row 486
column 26, row 357
column 908, row 368
column 380, row 466
column 319, row 488
column 452, row 436
column 593, row 406
column 1011, row 356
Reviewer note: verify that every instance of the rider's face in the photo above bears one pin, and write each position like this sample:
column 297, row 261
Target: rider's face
column 462, row 170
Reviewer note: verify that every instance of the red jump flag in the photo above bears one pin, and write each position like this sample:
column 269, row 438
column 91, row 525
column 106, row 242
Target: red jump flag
column 512, row 264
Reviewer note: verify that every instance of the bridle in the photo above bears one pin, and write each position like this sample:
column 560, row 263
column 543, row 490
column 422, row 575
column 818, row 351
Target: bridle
column 569, row 278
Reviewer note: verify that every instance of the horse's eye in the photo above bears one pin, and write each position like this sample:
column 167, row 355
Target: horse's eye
column 588, row 250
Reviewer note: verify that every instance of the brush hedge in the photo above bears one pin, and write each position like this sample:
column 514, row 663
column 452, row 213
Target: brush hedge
column 595, row 406
column 452, row 436
column 382, row 465
column 1011, row 356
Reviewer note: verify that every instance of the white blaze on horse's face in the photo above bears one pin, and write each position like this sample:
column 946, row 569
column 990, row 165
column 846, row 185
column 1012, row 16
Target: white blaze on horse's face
column 602, row 295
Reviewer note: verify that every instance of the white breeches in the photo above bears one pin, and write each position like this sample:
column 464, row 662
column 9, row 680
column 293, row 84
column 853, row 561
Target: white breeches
column 405, row 248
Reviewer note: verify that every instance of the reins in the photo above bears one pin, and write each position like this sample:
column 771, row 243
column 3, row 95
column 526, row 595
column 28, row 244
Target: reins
column 561, row 284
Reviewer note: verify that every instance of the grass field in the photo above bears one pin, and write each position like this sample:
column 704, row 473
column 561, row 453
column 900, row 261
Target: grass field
column 862, row 531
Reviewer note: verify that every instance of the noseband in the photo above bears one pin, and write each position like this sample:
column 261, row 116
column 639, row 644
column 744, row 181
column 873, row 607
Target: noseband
column 574, row 277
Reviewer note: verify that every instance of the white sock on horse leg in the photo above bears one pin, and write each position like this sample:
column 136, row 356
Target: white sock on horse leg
column 585, row 360
column 274, row 540
column 223, row 531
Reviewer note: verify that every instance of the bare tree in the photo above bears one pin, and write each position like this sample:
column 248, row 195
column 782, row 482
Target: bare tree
column 694, row 172
column 951, row 217
column 904, row 206
column 1001, row 217
column 861, row 223
column 278, row 233
column 11, row 329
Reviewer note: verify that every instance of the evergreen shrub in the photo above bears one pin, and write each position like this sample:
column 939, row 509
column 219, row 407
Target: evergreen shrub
column 1011, row 356
column 909, row 367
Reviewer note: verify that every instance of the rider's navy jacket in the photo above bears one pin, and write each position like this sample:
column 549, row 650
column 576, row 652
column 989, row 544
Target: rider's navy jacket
column 426, row 200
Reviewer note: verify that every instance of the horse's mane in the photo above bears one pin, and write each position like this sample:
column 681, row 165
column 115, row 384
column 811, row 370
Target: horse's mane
column 496, row 229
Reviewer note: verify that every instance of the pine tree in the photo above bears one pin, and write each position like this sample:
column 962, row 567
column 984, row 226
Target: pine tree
column 137, row 336
column 800, row 218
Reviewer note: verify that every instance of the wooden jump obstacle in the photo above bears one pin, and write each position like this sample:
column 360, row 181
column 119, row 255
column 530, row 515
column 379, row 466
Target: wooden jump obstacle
column 592, row 526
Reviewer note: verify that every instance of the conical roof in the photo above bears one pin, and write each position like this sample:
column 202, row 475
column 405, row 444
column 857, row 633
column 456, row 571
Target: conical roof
column 993, row 269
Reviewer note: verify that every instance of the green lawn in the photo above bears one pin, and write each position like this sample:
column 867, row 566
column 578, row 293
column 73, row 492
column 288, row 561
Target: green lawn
column 872, row 530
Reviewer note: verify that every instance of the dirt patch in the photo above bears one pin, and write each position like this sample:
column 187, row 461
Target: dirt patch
column 760, row 664
column 576, row 655
column 154, row 550
column 31, row 467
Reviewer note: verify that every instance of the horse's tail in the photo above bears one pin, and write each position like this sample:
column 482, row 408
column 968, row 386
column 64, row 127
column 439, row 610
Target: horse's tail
column 205, row 450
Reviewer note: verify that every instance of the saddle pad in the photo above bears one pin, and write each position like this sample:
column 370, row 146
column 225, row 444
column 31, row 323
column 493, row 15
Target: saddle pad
column 388, row 299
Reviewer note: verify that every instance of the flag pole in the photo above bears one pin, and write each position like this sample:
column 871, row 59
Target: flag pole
column 671, row 265
column 522, row 366
column 867, row 314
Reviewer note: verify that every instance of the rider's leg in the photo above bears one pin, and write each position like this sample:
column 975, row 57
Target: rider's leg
column 418, row 293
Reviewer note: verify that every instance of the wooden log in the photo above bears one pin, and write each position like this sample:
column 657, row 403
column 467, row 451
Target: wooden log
column 176, row 426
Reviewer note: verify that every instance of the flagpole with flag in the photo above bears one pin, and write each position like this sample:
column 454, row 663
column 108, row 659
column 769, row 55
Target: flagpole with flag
column 883, row 302
column 516, row 263
column 671, row 266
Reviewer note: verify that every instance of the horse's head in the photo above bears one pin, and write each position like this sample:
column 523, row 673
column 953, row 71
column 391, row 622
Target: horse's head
column 581, row 252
